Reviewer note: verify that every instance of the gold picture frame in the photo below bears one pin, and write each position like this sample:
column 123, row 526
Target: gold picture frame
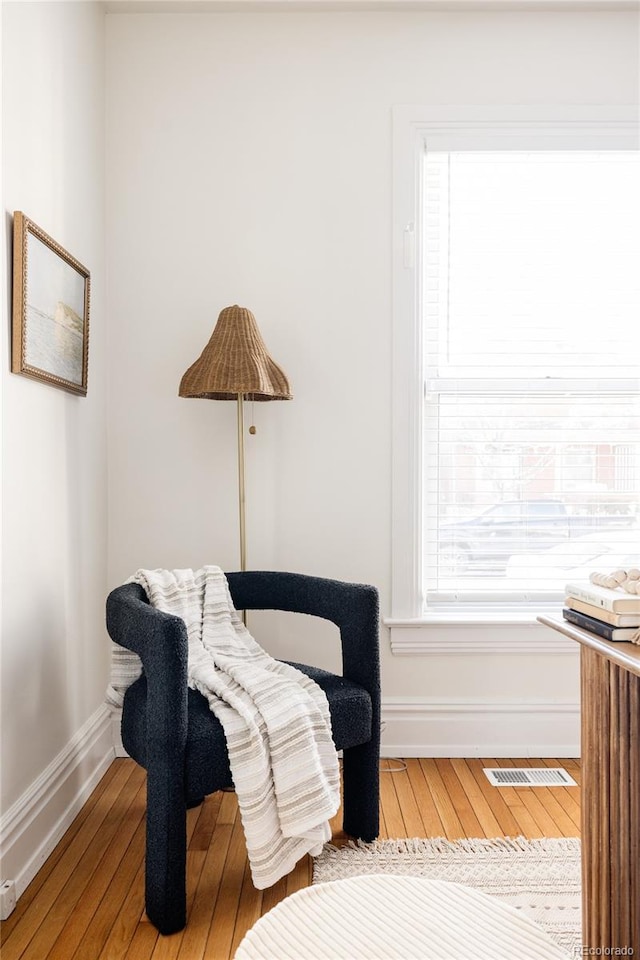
column 51, row 289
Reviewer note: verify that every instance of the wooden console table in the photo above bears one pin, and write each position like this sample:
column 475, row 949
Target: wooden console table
column 610, row 685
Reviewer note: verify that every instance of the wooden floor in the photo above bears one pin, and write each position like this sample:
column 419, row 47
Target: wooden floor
column 86, row 902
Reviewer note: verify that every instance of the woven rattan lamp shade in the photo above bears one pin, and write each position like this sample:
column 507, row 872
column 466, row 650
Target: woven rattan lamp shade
column 235, row 361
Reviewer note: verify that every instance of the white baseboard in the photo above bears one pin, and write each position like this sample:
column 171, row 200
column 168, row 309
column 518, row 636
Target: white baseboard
column 33, row 825
column 479, row 728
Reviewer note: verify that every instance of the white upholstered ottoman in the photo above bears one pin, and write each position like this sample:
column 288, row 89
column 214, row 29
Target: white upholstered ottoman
column 383, row 917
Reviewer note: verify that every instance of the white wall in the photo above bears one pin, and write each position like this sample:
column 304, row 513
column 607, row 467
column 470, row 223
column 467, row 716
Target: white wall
column 54, row 654
column 249, row 161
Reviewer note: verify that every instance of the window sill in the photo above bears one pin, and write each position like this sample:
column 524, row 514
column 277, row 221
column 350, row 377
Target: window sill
column 438, row 633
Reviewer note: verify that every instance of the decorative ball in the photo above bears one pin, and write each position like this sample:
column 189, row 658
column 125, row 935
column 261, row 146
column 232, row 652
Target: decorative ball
column 627, row 581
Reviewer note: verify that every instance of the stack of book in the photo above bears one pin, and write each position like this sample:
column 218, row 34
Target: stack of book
column 611, row 614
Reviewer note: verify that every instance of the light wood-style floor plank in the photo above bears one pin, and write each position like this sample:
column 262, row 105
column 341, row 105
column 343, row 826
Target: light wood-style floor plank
column 249, row 909
column 446, row 810
column 483, row 809
column 413, row 823
column 197, row 930
column 108, row 873
column 46, row 870
column 390, row 805
column 432, row 824
column 461, row 804
column 116, row 945
column 76, row 895
column 227, row 902
column 87, row 901
column 100, row 823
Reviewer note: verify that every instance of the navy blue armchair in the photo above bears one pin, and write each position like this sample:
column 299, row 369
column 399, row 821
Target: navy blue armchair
column 170, row 731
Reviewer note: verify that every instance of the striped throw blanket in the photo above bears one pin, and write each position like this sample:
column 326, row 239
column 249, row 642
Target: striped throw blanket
column 276, row 721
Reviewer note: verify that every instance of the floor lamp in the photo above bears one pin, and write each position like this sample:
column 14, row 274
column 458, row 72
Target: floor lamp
column 235, row 365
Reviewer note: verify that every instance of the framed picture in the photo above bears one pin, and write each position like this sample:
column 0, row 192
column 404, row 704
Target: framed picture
column 50, row 310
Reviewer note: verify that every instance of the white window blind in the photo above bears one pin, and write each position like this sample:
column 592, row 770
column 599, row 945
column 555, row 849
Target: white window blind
column 530, row 309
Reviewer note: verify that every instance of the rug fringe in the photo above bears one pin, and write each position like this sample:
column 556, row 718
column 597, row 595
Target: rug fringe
column 440, row 846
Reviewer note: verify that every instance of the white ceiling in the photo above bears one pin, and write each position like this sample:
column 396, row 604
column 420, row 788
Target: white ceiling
column 225, row 6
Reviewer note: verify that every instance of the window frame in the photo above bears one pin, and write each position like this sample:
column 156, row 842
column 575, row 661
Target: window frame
column 447, row 128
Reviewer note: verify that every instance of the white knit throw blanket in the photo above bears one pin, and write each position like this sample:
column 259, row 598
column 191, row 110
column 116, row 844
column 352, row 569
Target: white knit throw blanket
column 275, row 718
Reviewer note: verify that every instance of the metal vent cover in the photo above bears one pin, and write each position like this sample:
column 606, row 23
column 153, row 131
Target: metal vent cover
column 529, row 777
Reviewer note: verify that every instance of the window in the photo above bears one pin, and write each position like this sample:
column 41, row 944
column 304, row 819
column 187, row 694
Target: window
column 516, row 359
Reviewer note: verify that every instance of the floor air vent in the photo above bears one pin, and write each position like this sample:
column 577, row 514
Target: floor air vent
column 529, row 777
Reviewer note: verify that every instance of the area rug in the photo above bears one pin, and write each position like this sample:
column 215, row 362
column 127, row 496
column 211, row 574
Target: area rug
column 539, row 877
